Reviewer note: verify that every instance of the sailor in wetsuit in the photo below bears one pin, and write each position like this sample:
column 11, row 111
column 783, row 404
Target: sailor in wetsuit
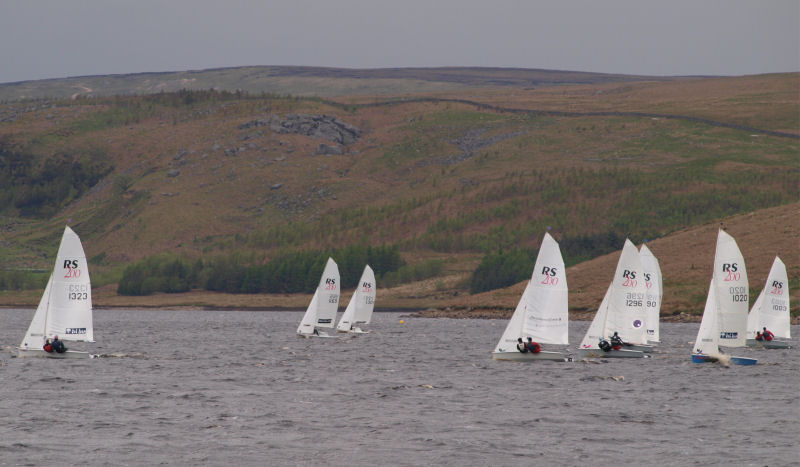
column 533, row 347
column 616, row 341
column 521, row 346
column 58, row 345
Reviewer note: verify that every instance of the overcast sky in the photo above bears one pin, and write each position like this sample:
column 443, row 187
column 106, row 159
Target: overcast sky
column 59, row 38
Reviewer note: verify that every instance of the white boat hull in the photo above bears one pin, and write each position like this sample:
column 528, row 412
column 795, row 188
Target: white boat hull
column 768, row 344
column 39, row 353
column 353, row 331
column 321, row 334
column 516, row 356
column 599, row 353
column 646, row 348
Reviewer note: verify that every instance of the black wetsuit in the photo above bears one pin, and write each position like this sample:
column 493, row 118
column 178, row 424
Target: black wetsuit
column 59, row 347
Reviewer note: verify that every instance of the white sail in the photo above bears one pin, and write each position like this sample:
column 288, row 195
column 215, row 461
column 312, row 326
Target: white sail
column 513, row 331
column 707, row 341
column 35, row 336
column 65, row 309
column 597, row 328
column 362, row 303
column 626, row 311
column 654, row 286
column 310, row 317
column 321, row 312
column 771, row 309
column 731, row 290
column 546, row 314
column 70, row 312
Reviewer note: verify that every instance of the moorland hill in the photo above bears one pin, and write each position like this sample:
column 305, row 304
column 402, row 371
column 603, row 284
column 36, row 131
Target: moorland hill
column 449, row 170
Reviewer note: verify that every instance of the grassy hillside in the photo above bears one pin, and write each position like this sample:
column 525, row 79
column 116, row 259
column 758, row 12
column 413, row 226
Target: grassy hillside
column 305, row 81
column 451, row 175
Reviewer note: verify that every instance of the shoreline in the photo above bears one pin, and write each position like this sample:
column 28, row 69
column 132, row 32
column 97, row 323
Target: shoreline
column 411, row 311
column 414, row 312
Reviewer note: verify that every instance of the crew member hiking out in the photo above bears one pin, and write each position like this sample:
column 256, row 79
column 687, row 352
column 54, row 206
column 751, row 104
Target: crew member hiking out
column 533, row 347
column 521, row 346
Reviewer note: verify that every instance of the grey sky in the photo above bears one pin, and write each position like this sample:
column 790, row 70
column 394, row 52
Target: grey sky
column 59, row 38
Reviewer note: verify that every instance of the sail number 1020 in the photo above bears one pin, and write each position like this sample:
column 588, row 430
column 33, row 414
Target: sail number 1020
column 739, row 294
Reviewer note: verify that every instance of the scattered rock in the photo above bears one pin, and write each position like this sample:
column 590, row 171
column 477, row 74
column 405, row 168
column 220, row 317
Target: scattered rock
column 325, row 149
column 316, row 126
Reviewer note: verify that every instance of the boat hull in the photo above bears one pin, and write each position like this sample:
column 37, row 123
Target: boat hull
column 599, row 353
column 516, row 356
column 696, row 358
column 646, row 348
column 39, row 353
column 768, row 344
column 353, row 331
column 321, row 334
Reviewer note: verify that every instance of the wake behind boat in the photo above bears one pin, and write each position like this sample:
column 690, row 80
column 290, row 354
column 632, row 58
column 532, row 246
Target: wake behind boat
column 65, row 309
column 542, row 312
column 725, row 314
column 321, row 312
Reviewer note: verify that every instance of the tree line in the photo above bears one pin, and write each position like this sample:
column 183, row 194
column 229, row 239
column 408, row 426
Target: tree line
column 289, row 273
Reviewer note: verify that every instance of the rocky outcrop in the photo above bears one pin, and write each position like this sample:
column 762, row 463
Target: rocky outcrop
column 315, row 126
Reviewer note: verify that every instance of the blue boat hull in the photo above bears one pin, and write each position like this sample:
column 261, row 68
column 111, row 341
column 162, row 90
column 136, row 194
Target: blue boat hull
column 735, row 360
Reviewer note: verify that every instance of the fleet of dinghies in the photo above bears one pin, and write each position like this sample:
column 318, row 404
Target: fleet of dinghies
column 321, row 312
column 630, row 308
column 65, row 309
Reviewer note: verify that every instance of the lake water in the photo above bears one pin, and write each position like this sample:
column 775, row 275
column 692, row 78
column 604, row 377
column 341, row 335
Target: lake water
column 238, row 388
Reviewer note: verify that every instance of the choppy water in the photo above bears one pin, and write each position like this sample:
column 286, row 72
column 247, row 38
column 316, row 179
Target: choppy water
column 238, row 388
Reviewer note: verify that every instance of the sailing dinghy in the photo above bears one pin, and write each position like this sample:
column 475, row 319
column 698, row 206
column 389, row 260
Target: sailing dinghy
column 621, row 311
column 654, row 287
column 725, row 315
column 590, row 347
column 771, row 310
column 542, row 312
column 321, row 312
column 362, row 303
column 65, row 309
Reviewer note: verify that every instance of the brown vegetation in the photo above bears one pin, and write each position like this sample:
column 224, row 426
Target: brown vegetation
column 189, row 179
